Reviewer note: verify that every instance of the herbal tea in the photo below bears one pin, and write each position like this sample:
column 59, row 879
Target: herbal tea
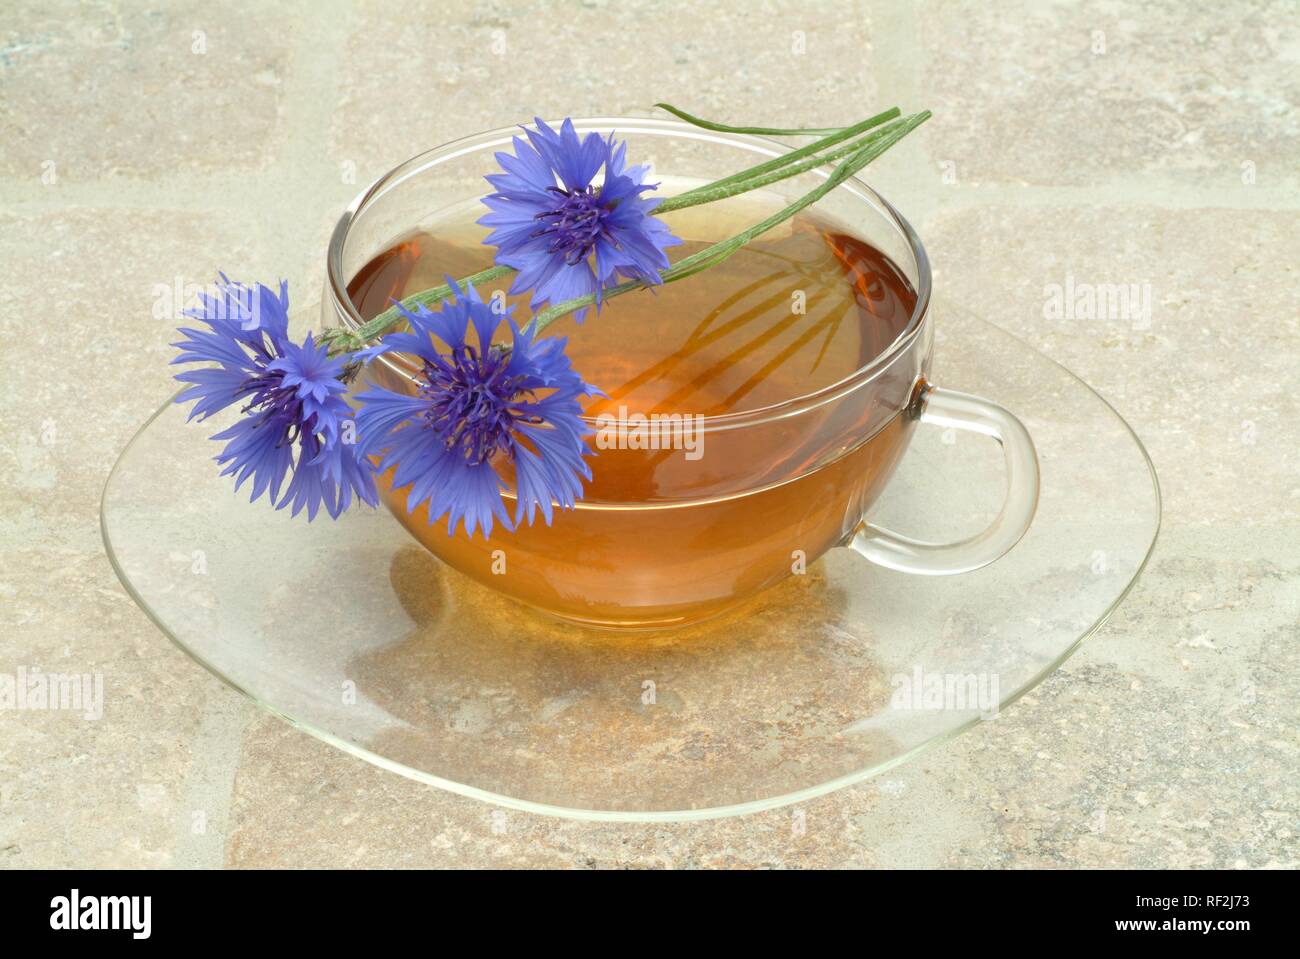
column 686, row 514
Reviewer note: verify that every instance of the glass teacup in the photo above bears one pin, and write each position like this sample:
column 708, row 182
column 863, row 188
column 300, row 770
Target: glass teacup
column 669, row 536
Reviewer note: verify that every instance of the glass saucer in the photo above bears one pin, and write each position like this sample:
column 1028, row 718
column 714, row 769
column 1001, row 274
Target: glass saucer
column 352, row 632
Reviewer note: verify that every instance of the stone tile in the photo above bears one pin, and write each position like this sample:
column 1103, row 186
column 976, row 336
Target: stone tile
column 82, row 792
column 92, row 304
column 299, row 802
column 123, row 89
column 457, row 69
column 75, row 792
column 1169, row 740
column 1020, row 96
column 1209, row 386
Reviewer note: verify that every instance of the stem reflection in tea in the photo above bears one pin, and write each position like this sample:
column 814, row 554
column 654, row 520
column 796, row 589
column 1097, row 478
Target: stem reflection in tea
column 672, row 535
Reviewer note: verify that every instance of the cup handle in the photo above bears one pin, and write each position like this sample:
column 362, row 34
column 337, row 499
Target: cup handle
column 961, row 411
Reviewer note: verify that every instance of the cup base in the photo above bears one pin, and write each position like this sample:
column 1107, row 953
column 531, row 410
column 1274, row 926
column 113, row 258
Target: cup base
column 648, row 625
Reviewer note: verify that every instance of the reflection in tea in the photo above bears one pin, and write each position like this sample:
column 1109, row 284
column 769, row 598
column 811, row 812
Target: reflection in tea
column 679, row 524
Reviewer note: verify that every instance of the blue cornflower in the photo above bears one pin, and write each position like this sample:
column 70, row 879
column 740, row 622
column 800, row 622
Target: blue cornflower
column 292, row 396
column 572, row 238
column 478, row 408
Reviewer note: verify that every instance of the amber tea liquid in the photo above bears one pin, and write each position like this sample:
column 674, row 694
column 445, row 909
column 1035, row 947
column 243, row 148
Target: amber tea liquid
column 669, row 536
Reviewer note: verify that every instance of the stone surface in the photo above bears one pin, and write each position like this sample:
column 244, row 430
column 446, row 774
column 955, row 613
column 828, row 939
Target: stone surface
column 1202, row 354
column 90, row 90
column 110, row 791
column 1168, row 740
column 556, row 59
column 1066, row 93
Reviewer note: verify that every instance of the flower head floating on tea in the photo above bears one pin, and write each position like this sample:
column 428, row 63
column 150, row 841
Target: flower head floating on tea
column 574, row 242
column 574, row 237
column 292, row 396
column 478, row 407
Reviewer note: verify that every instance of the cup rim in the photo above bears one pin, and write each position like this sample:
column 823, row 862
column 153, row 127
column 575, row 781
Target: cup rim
column 344, row 308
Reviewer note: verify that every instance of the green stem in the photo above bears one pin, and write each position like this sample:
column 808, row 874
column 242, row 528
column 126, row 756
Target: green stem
column 721, row 191
column 758, row 131
column 345, row 341
column 718, row 252
column 839, row 136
